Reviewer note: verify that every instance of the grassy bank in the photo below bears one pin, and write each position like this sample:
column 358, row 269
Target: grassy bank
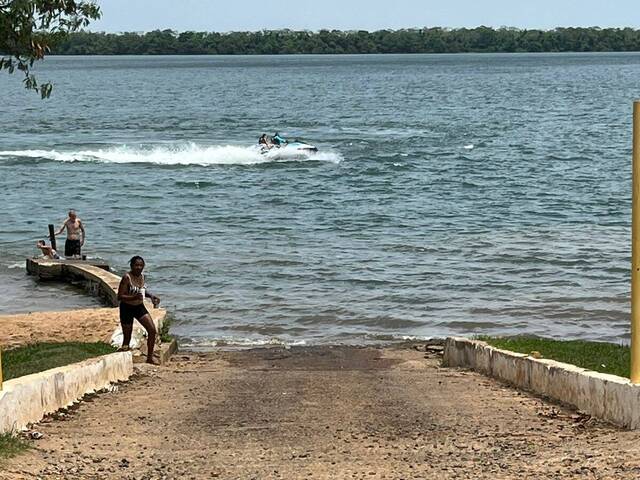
column 43, row 356
column 596, row 356
column 11, row 445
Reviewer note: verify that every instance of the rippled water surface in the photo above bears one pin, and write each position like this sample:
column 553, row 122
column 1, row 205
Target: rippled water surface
column 452, row 194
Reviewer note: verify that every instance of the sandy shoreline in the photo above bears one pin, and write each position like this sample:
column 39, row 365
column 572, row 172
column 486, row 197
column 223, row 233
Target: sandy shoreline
column 325, row 413
column 84, row 325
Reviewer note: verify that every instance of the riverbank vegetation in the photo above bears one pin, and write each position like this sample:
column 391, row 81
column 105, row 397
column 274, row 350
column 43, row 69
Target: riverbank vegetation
column 43, row 356
column 423, row 40
column 597, row 356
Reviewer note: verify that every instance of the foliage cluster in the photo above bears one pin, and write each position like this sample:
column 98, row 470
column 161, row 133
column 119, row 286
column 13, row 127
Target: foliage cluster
column 424, row 40
column 29, row 28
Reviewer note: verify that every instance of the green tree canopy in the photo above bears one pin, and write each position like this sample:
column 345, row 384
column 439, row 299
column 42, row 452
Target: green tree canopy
column 412, row 40
column 29, row 28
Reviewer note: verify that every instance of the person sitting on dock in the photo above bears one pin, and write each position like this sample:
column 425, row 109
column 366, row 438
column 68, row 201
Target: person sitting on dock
column 48, row 251
column 131, row 294
column 75, row 235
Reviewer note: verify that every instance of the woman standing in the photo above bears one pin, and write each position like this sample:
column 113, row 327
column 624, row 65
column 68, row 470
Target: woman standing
column 131, row 293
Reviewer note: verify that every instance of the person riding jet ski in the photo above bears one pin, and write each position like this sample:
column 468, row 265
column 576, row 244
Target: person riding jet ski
column 278, row 140
column 263, row 141
column 278, row 145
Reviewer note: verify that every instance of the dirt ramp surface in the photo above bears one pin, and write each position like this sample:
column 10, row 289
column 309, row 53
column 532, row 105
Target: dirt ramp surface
column 322, row 413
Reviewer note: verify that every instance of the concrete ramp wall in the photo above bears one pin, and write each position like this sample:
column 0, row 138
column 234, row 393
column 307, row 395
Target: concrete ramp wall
column 99, row 282
column 95, row 276
column 28, row 399
column 608, row 397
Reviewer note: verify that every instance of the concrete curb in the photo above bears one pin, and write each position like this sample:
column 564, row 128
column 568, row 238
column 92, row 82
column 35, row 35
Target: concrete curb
column 162, row 353
column 28, row 399
column 168, row 349
column 97, row 281
column 608, row 397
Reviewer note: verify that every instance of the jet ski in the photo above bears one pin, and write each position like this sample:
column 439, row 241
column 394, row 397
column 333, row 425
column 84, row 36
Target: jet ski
column 278, row 146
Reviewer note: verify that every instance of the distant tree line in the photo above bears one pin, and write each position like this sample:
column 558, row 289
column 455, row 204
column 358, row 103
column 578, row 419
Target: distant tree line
column 424, row 40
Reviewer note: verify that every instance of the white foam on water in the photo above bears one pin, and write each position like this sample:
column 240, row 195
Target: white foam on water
column 412, row 338
column 398, row 337
column 332, row 157
column 183, row 154
column 242, row 343
column 471, row 146
column 16, row 266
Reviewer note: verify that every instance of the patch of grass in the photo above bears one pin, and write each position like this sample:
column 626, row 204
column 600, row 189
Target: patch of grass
column 165, row 336
column 43, row 356
column 597, row 356
column 11, row 445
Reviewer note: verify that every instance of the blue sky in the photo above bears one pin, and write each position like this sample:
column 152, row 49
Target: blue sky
column 224, row 16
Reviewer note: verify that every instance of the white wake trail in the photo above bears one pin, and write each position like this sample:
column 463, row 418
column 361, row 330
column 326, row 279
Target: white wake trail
column 184, row 154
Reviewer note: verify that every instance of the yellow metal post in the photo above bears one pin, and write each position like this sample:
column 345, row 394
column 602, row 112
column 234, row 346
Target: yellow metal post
column 635, row 249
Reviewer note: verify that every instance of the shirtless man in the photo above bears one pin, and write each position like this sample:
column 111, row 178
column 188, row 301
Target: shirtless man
column 75, row 235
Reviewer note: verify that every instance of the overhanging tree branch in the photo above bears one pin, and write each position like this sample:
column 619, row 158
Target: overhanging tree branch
column 28, row 28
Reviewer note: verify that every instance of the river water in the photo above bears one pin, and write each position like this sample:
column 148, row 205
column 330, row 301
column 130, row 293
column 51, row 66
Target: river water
column 451, row 194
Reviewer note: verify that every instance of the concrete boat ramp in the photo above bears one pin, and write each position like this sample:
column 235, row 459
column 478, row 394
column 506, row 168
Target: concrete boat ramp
column 319, row 412
column 323, row 413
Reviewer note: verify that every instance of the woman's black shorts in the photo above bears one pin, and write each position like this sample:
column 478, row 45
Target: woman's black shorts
column 129, row 312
